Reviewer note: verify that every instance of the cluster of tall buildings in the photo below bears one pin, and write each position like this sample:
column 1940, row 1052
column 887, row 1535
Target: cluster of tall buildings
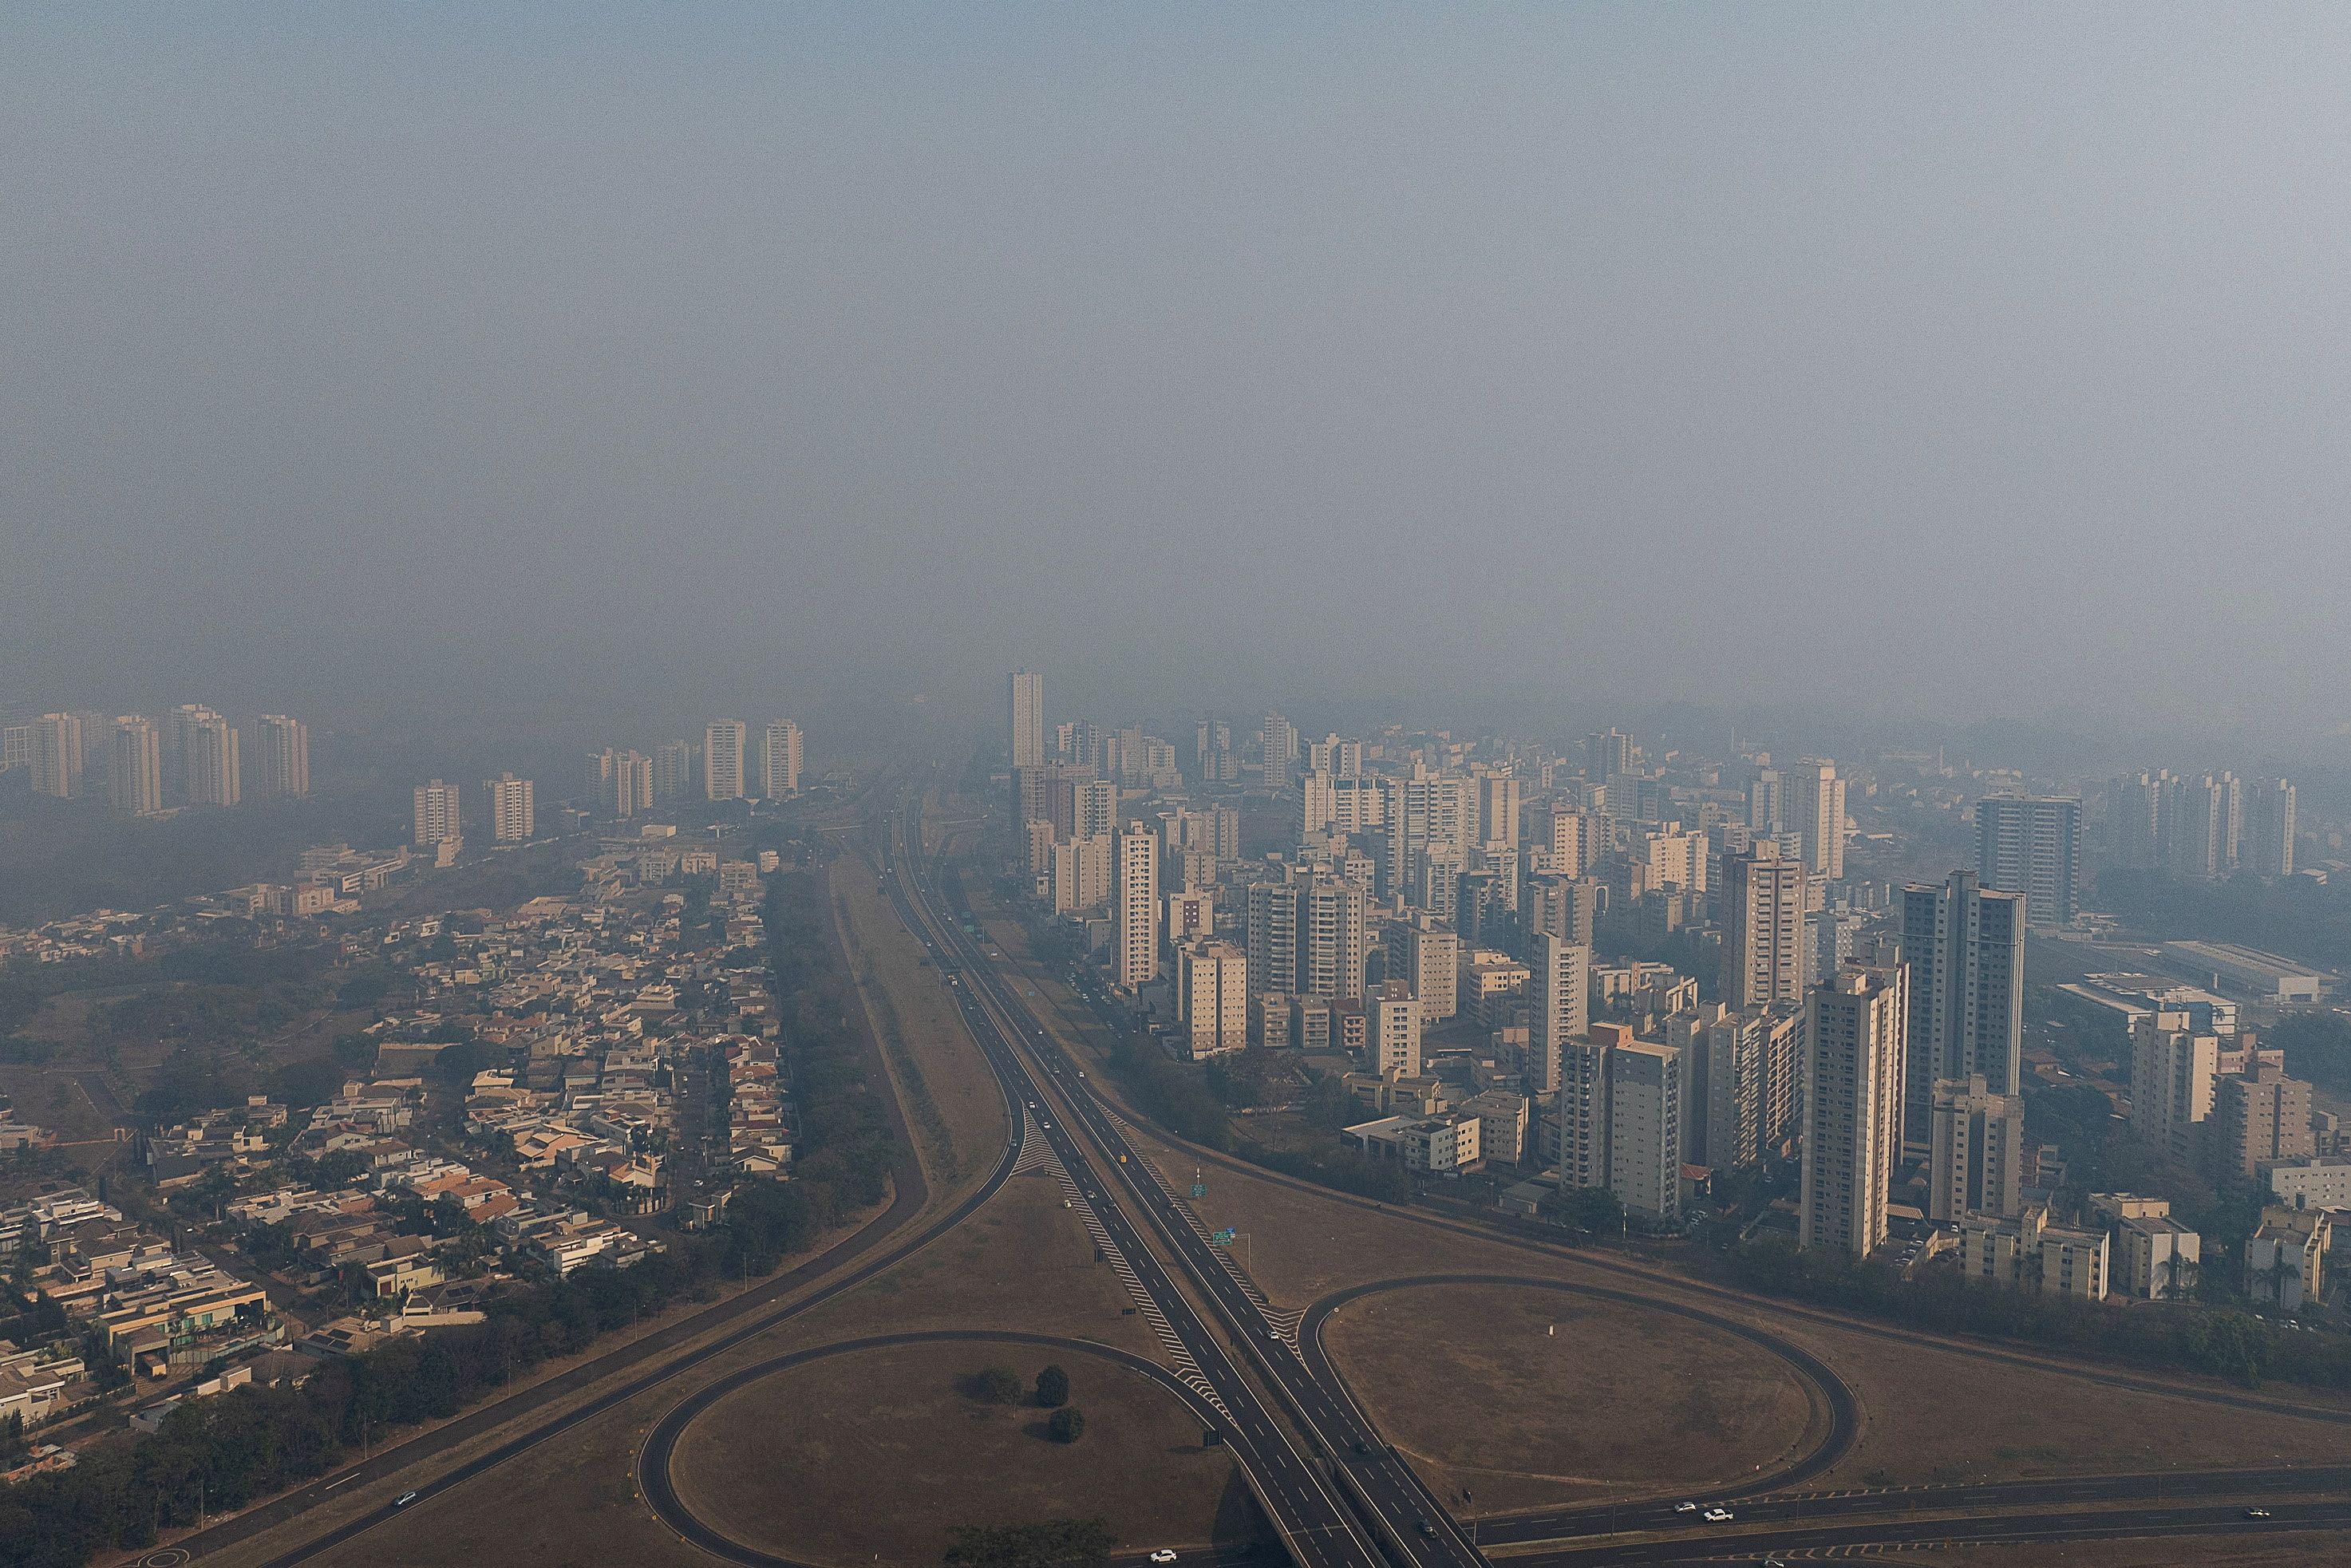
column 2201, row 829
column 1432, row 896
column 144, row 766
column 509, row 808
column 733, row 762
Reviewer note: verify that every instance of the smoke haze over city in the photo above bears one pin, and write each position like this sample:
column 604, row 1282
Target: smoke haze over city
column 1884, row 361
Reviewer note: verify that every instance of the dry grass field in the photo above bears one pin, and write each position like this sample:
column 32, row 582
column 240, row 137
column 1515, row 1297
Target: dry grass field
column 882, row 1452
column 2287, row 1548
column 1526, row 1397
column 1987, row 1420
column 951, row 1099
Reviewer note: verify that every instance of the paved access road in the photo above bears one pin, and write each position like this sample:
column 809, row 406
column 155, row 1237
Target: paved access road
column 1741, row 1542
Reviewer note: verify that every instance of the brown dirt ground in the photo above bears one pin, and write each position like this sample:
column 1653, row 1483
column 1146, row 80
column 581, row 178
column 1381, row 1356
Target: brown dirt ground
column 952, row 1072
column 52, row 1097
column 1022, row 1261
column 1470, row 1383
column 1991, row 1421
column 790, row 1464
column 2290, row 1549
column 1985, row 1418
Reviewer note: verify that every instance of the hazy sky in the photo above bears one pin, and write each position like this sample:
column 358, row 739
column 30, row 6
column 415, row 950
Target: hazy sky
column 1981, row 359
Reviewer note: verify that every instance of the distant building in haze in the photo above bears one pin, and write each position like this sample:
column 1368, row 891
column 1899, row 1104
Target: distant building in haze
column 632, row 784
column 1820, row 817
column 673, row 769
column 780, row 760
column 723, row 775
column 57, row 755
column 438, row 814
column 210, row 755
column 1212, row 997
column 2032, row 845
column 511, row 817
column 1024, row 718
column 135, row 766
column 281, row 762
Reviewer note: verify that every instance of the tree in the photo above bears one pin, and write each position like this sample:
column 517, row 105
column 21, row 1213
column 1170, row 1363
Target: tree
column 996, row 1385
column 1593, row 1210
column 1066, row 1425
column 1052, row 1386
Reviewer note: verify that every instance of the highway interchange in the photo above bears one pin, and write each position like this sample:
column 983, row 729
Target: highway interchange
column 1337, row 1494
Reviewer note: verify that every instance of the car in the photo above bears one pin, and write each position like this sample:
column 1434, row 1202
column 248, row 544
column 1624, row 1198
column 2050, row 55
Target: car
column 404, row 1499
column 2257, row 1514
column 1717, row 1516
column 1163, row 1555
column 1685, row 1508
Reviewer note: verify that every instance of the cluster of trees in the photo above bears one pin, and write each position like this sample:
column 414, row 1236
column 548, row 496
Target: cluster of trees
column 1055, row 1543
column 2219, row 1344
column 227, row 1451
column 2302, row 919
column 847, row 1144
column 999, row 1384
column 2317, row 1048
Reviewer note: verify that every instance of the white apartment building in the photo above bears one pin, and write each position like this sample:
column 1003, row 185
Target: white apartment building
column 1853, row 1108
column 1135, row 909
column 1024, row 718
column 1762, row 904
column 780, row 760
column 1644, row 1130
column 282, row 763
column 724, row 775
column 1392, row 1020
column 512, row 818
column 135, row 766
column 1561, row 985
column 1819, row 796
column 438, row 814
column 1212, row 997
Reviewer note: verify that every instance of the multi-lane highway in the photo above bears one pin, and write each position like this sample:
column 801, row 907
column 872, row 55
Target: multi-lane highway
column 1356, row 1470
column 1961, row 1526
column 2049, row 1510
column 1306, row 1504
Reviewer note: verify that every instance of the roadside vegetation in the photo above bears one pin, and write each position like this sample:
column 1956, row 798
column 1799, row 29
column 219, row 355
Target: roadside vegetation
column 2228, row 1344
